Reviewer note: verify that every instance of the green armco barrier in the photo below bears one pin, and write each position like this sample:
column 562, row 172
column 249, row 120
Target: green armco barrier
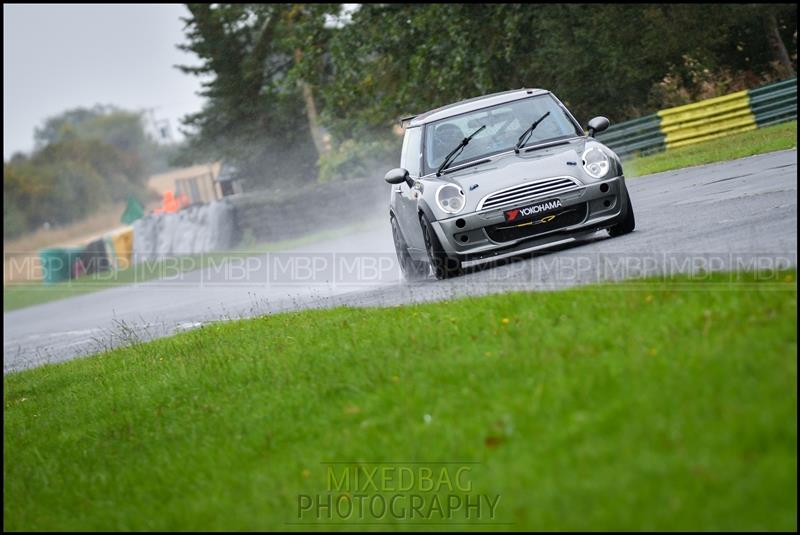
column 58, row 263
column 640, row 135
column 774, row 103
column 56, row 266
column 704, row 120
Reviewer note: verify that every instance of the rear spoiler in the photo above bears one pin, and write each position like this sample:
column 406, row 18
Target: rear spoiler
column 404, row 120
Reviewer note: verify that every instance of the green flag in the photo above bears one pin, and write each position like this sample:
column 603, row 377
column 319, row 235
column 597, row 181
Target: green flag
column 133, row 211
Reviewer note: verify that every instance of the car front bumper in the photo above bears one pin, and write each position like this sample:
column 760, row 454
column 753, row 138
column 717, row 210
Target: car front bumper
column 474, row 237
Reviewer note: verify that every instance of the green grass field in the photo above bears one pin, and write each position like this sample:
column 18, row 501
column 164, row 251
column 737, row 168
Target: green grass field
column 24, row 294
column 767, row 139
column 645, row 405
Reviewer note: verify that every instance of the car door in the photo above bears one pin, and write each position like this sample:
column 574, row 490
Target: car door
column 407, row 196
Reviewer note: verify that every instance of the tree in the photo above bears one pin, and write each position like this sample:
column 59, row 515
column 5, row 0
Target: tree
column 255, row 107
column 120, row 129
column 280, row 73
column 309, row 37
column 66, row 123
column 84, row 157
column 399, row 59
column 778, row 47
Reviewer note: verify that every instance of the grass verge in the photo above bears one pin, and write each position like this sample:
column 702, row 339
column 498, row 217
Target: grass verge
column 660, row 405
column 24, row 294
column 767, row 139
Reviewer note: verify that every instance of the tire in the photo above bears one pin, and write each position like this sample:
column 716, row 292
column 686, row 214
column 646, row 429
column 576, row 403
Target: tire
column 444, row 267
column 412, row 270
column 627, row 225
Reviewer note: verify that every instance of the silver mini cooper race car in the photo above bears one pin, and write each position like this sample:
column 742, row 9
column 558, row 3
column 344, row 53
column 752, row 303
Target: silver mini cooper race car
column 498, row 176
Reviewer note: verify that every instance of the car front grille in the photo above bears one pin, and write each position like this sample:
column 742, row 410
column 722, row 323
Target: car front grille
column 571, row 215
column 529, row 190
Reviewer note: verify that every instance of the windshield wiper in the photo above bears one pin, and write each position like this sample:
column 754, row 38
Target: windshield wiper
column 527, row 133
column 467, row 165
column 450, row 158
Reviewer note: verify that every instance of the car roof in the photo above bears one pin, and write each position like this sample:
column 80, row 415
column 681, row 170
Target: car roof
column 471, row 104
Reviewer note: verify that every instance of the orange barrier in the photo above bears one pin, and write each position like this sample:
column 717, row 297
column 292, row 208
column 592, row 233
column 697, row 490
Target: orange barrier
column 170, row 203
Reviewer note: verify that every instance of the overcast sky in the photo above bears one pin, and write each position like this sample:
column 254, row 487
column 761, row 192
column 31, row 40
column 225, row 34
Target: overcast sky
column 57, row 57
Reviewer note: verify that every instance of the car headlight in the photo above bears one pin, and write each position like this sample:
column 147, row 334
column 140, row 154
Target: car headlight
column 450, row 198
column 595, row 162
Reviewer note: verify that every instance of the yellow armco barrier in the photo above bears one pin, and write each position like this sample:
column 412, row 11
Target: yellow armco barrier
column 123, row 247
column 707, row 119
column 701, row 121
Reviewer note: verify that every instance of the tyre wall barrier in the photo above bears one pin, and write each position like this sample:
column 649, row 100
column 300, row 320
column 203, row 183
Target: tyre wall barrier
column 196, row 229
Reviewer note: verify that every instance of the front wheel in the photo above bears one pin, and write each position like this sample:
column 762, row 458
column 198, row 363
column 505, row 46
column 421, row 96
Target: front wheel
column 412, row 270
column 444, row 267
column 627, row 225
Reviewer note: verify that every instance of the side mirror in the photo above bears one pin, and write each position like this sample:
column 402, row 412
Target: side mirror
column 598, row 124
column 397, row 176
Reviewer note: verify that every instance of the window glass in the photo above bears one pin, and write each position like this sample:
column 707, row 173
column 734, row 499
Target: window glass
column 504, row 124
column 411, row 154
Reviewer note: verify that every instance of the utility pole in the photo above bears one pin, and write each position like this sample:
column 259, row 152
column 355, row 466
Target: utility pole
column 160, row 128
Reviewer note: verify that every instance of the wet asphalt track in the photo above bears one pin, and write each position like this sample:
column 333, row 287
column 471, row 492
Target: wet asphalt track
column 731, row 215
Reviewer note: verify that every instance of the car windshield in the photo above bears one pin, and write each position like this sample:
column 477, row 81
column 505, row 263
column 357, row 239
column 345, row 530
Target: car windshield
column 504, row 125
